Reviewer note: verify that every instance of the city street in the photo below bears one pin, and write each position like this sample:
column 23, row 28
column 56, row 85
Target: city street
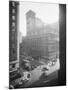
column 39, row 75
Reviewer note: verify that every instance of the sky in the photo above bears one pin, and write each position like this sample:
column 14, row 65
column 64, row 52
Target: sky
column 48, row 13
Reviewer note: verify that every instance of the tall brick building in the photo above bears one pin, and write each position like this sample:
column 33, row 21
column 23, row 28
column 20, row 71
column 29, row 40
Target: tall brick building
column 38, row 42
column 34, row 26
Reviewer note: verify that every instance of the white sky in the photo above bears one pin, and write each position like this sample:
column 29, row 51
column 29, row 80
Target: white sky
column 48, row 13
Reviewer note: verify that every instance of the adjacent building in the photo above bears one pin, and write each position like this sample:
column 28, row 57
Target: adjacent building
column 13, row 36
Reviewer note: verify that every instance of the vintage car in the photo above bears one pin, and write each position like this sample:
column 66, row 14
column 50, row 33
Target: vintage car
column 20, row 78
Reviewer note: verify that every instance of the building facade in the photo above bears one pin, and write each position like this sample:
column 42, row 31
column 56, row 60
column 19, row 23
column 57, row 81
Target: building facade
column 13, row 36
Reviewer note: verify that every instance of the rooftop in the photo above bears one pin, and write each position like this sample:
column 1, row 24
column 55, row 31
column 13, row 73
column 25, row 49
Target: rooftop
column 30, row 13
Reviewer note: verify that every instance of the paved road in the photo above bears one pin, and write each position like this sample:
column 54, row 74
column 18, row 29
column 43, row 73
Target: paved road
column 37, row 73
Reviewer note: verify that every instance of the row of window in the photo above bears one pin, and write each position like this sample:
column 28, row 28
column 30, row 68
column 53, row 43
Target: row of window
column 13, row 32
column 13, row 22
